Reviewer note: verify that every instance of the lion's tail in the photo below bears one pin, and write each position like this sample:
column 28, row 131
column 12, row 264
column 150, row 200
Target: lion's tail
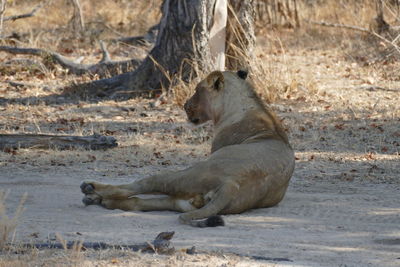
column 212, row 221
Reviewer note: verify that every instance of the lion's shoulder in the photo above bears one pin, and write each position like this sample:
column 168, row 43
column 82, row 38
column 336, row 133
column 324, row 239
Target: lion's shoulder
column 255, row 126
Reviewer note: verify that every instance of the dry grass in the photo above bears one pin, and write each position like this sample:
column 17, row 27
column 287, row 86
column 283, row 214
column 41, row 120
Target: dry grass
column 8, row 224
column 104, row 19
column 108, row 258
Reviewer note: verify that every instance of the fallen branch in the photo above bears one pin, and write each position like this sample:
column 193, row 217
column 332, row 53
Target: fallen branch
column 26, row 15
column 44, row 141
column 160, row 245
column 105, row 66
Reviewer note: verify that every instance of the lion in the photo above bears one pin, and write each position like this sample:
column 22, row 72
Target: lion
column 250, row 165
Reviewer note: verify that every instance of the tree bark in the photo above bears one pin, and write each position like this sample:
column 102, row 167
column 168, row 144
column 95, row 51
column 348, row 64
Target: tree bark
column 240, row 34
column 185, row 48
column 181, row 48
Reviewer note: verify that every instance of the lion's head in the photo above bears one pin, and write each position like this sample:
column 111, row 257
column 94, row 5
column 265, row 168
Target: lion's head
column 233, row 105
column 206, row 103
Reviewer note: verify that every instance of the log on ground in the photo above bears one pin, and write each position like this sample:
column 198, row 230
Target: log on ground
column 63, row 142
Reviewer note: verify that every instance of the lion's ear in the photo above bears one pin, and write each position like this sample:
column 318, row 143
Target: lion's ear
column 242, row 74
column 216, row 80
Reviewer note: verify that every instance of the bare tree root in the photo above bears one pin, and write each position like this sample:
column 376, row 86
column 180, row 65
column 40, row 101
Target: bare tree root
column 125, row 85
column 105, row 66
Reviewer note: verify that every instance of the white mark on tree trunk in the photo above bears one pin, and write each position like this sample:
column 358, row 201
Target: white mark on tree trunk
column 2, row 10
column 218, row 34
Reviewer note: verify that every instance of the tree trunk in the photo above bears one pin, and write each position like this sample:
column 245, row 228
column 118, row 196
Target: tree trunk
column 191, row 39
column 240, row 34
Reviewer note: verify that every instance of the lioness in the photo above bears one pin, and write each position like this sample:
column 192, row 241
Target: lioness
column 250, row 165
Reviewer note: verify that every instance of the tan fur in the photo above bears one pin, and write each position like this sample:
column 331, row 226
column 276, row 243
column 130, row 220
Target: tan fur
column 250, row 165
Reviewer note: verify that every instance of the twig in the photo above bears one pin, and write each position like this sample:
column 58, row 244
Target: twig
column 356, row 28
column 338, row 25
column 106, row 56
column 392, row 43
column 27, row 85
column 77, row 20
column 376, row 88
column 105, row 25
column 26, row 15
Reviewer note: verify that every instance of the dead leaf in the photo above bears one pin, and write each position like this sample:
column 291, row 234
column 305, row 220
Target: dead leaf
column 34, row 235
column 158, row 155
column 10, row 150
column 370, row 156
column 339, row 126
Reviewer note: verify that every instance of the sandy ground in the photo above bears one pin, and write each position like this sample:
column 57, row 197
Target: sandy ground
column 318, row 223
column 342, row 207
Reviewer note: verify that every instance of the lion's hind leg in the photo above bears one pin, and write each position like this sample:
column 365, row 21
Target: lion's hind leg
column 105, row 190
column 219, row 200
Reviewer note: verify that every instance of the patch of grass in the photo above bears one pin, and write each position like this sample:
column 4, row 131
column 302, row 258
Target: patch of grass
column 7, row 223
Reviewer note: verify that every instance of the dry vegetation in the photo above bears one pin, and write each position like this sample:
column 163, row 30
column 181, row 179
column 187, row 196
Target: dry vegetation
column 336, row 90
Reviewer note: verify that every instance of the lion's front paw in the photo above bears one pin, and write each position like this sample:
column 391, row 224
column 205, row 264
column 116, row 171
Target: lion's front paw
column 91, row 196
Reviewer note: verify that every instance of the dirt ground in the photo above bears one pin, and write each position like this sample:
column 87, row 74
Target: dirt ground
column 342, row 116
